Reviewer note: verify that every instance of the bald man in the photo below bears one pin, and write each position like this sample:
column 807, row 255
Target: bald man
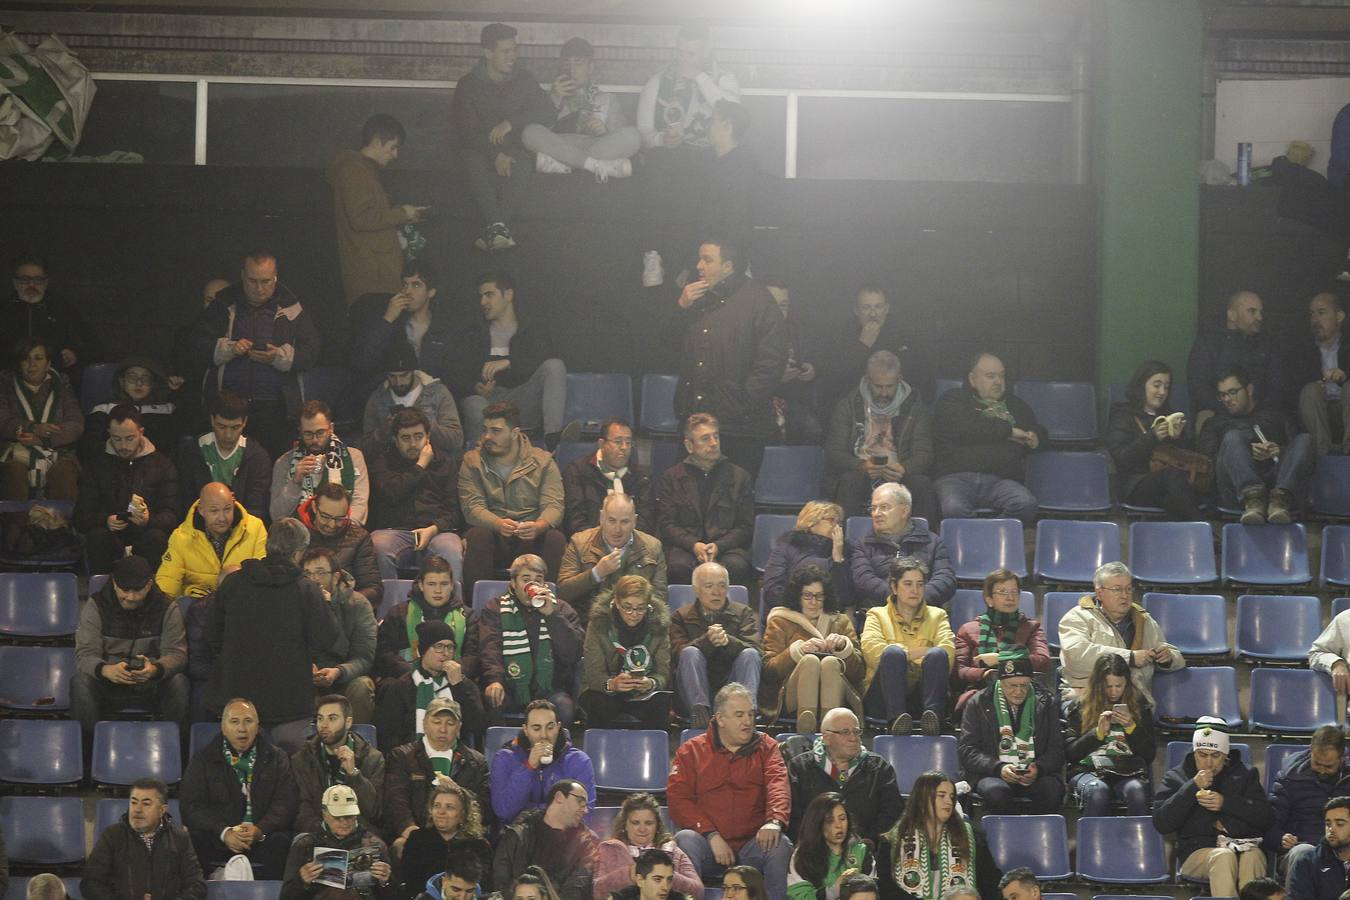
column 217, row 532
column 1240, row 341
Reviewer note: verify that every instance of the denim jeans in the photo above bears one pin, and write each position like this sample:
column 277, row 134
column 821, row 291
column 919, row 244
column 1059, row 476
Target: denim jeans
column 961, row 493
column 1237, row 470
column 691, row 676
column 540, row 399
column 773, row 864
column 891, row 690
column 1096, row 794
column 394, row 548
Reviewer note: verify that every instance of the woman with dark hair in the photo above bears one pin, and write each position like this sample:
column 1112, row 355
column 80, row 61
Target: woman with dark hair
column 817, row 539
column 1110, row 745
column 456, row 824
column 40, row 427
column 434, row 595
column 532, row 884
column 827, row 851
column 812, row 659
column 932, row 848
column 1136, row 428
column 1001, row 627
column 638, row 827
column 743, row 883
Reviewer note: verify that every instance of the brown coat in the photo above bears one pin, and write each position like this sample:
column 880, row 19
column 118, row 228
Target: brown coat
column 784, row 628
column 369, row 255
column 586, row 548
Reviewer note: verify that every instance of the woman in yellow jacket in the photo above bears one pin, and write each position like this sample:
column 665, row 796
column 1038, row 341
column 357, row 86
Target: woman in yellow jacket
column 909, row 650
column 191, row 566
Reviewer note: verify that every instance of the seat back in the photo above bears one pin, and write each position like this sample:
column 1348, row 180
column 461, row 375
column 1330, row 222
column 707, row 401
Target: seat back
column 912, row 755
column 1041, row 843
column 96, row 385
column 109, row 810
column 36, row 679
column 664, row 455
column 1069, row 552
column 790, row 476
column 593, row 397
column 629, row 760
column 396, row 591
column 200, row 734
column 658, row 404
column 1067, row 409
column 1121, row 850
column 40, row 751
column 43, row 831
column 1265, row 554
column 1291, row 701
column 1329, row 488
column 570, row 451
column 1339, row 605
column 943, row 385
column 1183, row 696
column 1173, row 553
column 497, row 737
column 1277, row 758
column 1069, row 482
column 979, row 546
column 126, row 751
column 1335, row 567
column 1196, row 624
column 768, row 529
column 39, row 604
column 968, row 603
column 1279, row 629
column 1057, row 603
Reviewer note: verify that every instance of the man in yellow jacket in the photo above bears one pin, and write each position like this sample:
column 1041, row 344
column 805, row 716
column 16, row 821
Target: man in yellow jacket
column 217, row 532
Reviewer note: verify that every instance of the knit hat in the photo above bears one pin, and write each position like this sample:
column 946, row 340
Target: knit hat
column 398, row 357
column 340, row 800
column 131, row 573
column 433, row 631
column 1210, row 734
column 577, row 48
column 1014, row 664
column 444, row 705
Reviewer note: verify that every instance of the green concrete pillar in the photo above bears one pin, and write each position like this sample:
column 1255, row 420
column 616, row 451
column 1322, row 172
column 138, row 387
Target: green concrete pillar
column 1148, row 91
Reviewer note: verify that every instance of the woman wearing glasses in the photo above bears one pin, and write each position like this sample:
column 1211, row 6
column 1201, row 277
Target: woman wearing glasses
column 743, row 883
column 627, row 658
column 1001, row 627
column 817, row 539
column 812, row 659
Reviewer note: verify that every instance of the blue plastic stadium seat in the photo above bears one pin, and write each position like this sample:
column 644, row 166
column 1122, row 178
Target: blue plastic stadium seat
column 629, row 760
column 1291, row 701
column 968, row 603
column 96, row 583
column 1072, row 483
column 36, row 679
column 1041, row 843
column 593, row 397
column 1335, row 567
column 125, row 751
column 572, row 450
column 979, row 546
column 96, row 385
column 40, row 752
column 1121, row 850
column 326, row 383
column 497, row 737
column 1196, row 624
column 1274, row 555
column 200, row 734
column 687, row 733
column 1277, row 629
column 790, row 476
column 664, row 455
column 243, row 890
column 943, row 385
column 1186, row 695
column 396, row 591
column 1177, row 750
column 1067, row 409
column 681, row 595
column 1057, row 603
column 40, row 605
column 915, row 754
column 43, row 831
column 600, row 819
column 1339, row 605
column 1173, row 553
column 1329, row 488
column 768, row 529
column 658, row 404
column 110, row 810
column 1069, row 552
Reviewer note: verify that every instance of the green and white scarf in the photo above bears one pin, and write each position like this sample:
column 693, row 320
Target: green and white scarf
column 1019, row 748
column 443, row 762
column 997, row 630
column 529, row 673
column 995, row 409
column 1114, row 756
column 36, row 458
column 319, row 477
column 416, row 615
column 429, row 687
column 912, row 862
column 242, row 764
column 836, row 774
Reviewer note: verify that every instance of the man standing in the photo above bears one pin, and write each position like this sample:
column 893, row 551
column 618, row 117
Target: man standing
column 1320, row 367
column 345, row 666
column 369, row 255
column 713, row 642
column 145, row 854
column 336, row 755
column 226, row 455
column 412, row 769
column 1240, row 341
column 259, row 339
column 735, row 348
column 319, row 458
column 555, row 839
column 327, row 516
column 494, row 102
column 1301, row 791
column 1322, row 874
column 588, row 479
column 33, row 312
column 407, row 386
column 598, row 557
column 130, row 650
column 841, row 763
column 982, row 434
column 367, row 871
column 217, row 532
column 894, row 535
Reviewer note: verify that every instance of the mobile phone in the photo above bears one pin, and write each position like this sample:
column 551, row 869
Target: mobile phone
column 122, row 517
column 135, row 664
column 1120, row 709
column 880, row 460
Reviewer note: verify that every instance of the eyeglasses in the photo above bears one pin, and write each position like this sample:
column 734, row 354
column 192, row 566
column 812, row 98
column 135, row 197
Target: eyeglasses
column 884, row 508
column 30, row 280
column 620, row 442
column 261, row 282
column 845, row 732
column 632, row 610
column 138, row 379
column 1004, row 593
column 335, row 520
column 1231, row 393
column 315, row 435
column 443, row 647
column 813, row 595
column 317, row 573
column 1118, row 591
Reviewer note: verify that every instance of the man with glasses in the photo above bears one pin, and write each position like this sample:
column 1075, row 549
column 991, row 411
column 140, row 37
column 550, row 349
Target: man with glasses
column 555, row 839
column 895, row 535
column 627, row 659
column 1110, row 621
column 259, row 339
column 34, row 312
column 319, row 458
column 327, row 515
column 1256, row 452
column 598, row 557
column 1240, row 340
column 405, row 701
column 839, row 762
column 344, row 667
column 611, row 469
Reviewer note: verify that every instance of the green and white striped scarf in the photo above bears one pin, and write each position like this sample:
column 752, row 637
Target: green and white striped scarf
column 528, row 672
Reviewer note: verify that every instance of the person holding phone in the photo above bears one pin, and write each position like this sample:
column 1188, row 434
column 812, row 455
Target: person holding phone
column 1110, row 747
column 626, row 663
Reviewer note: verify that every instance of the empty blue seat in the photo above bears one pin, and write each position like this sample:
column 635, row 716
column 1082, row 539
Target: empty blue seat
column 18, row 887
column 39, row 604
column 680, row 595
column 1277, row 758
column 110, row 810
column 593, row 397
column 1335, row 567
column 658, row 404
column 243, row 890
column 326, row 383
column 1121, row 850
column 943, row 385
column 568, row 451
column 36, row 679
column 1041, row 843
column 40, row 751
column 1069, row 482
column 1173, row 553
column 1067, row 409
column 912, row 755
column 497, row 737
column 1329, row 488
column 1265, row 554
column 1177, row 750
column 768, row 529
column 1277, row 629
column 1339, row 605
column 1057, row 603
column 96, row 385
column 396, row 591
column 629, row 760
column 1196, row 624
column 790, row 476
column 1069, row 552
column 979, row 546
column 201, row 734
column 1291, row 701
column 43, row 831
column 968, row 603
column 664, row 455
column 125, row 751
column 1182, row 697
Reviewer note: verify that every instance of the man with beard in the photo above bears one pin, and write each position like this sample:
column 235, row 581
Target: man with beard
column 336, row 755
column 319, row 458
column 367, row 870
column 1320, row 367
column 35, row 312
column 217, row 532
column 327, row 517
column 408, row 386
column 1322, row 874
column 128, row 495
column 146, row 854
column 541, row 755
column 345, row 666
column 227, row 455
column 1300, row 792
column 438, row 675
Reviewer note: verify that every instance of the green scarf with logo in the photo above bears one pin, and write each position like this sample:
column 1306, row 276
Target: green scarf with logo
column 530, row 674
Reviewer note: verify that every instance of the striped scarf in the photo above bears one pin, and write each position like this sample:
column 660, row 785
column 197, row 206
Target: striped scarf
column 1016, row 749
column 528, row 672
column 429, row 687
column 243, row 763
column 997, row 631
column 912, row 866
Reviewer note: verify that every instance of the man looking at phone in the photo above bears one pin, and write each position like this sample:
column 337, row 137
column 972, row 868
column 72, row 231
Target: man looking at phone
column 598, row 557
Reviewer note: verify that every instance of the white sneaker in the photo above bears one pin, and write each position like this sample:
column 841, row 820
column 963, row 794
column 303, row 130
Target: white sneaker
column 605, row 169
column 652, row 273
column 547, row 165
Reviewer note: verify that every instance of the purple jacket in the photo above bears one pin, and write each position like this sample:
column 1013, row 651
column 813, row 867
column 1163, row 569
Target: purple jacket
column 516, row 787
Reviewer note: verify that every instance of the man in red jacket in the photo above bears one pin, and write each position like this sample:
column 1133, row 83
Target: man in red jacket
column 728, row 792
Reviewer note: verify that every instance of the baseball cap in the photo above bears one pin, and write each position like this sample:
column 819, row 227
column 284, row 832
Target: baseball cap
column 340, row 800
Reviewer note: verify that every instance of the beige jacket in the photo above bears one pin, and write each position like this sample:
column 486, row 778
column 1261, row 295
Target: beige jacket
column 784, row 633
column 533, row 489
column 1085, row 634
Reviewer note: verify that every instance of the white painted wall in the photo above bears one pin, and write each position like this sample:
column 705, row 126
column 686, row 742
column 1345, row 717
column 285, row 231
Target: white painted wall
column 1271, row 113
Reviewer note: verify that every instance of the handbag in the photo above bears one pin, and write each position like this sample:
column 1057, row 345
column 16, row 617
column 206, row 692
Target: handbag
column 1198, row 467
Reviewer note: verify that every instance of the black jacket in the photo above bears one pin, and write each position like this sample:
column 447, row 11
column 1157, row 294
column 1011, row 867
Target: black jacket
column 107, row 482
column 1274, row 424
column 121, row 868
column 1245, row 812
column 211, row 799
column 396, row 711
column 735, row 348
column 267, row 623
column 310, row 769
column 978, row 748
column 53, row 319
column 530, row 346
column 964, row 440
column 403, row 495
column 353, row 551
column 846, row 363
column 729, row 520
column 372, row 337
column 480, row 104
column 515, row 851
column 391, row 641
column 1297, row 798
column 585, row 488
column 425, row 854
column 1079, row 742
column 871, row 794
column 1131, row 447
column 408, row 776
column 252, row 483
column 911, row 429
column 1217, row 349
column 1320, row 876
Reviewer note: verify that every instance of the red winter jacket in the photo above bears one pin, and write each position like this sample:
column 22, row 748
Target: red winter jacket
column 734, row 794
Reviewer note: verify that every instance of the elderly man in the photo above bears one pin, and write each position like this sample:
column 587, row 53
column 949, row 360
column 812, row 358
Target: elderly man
column 130, row 650
column 729, row 794
column 713, row 641
column 336, row 755
column 217, row 532
column 327, row 517
column 1109, row 621
column 266, row 625
column 894, row 535
column 598, row 557
column 226, row 455
column 1217, row 809
column 1307, row 782
column 555, row 839
column 880, row 433
column 589, row 479
column 1331, row 649
column 319, row 458
column 145, row 854
column 344, row 667
column 367, row 871
column 224, row 819
column 839, row 762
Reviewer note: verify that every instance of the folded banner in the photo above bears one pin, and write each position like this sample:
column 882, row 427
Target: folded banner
column 45, row 94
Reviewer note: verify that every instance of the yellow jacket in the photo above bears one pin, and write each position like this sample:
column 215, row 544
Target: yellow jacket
column 884, row 628
column 190, row 566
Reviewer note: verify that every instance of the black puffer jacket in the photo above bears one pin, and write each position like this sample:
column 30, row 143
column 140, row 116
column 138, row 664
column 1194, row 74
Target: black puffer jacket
column 121, row 868
column 1245, row 812
column 966, row 440
column 211, row 798
column 107, row 482
column 403, row 495
column 1132, row 447
column 871, row 794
